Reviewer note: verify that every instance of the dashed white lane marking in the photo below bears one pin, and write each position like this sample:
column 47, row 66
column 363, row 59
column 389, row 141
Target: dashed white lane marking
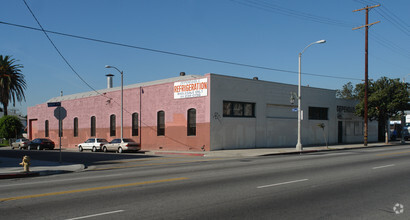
column 95, row 215
column 278, row 184
column 380, row 167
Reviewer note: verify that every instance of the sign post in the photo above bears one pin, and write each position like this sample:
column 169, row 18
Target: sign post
column 59, row 113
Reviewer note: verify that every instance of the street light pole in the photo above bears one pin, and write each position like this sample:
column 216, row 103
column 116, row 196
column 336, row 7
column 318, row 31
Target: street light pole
column 299, row 144
column 122, row 96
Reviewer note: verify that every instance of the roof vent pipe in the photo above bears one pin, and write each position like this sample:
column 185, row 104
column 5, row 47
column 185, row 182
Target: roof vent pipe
column 109, row 80
column 182, row 73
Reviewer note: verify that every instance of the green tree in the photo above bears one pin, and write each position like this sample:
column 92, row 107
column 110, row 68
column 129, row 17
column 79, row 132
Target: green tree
column 12, row 82
column 347, row 92
column 10, row 126
column 386, row 98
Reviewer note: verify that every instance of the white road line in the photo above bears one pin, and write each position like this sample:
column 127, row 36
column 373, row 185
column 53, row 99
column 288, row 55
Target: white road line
column 390, row 165
column 95, row 215
column 61, row 180
column 278, row 184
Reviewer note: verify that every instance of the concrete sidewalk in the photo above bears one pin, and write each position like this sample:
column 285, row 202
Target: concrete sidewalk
column 10, row 168
column 268, row 151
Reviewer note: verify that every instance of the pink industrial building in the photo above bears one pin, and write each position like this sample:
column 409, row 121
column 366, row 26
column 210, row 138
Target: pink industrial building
column 195, row 113
column 159, row 115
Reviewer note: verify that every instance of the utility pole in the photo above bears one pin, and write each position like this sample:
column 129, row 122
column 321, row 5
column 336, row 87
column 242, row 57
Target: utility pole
column 366, row 68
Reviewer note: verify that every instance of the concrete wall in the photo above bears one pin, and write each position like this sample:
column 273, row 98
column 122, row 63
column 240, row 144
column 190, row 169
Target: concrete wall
column 274, row 124
column 154, row 97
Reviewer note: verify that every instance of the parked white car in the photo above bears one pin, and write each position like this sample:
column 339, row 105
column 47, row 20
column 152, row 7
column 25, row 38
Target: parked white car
column 93, row 144
column 126, row 145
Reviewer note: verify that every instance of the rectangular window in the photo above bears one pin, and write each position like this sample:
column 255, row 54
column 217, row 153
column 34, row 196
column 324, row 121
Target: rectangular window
column 112, row 125
column 191, row 126
column 318, row 113
column 161, row 123
column 135, row 124
column 75, row 127
column 46, row 128
column 93, row 126
column 238, row 109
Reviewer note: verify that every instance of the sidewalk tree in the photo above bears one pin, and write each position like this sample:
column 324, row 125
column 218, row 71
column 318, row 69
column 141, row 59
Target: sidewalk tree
column 10, row 126
column 386, row 98
column 12, row 82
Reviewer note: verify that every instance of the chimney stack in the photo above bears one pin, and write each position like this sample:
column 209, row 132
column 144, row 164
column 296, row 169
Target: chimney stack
column 109, row 80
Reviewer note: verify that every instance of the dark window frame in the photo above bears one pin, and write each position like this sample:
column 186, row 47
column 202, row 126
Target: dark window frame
column 75, row 132
column 46, row 128
column 191, row 122
column 113, row 125
column 318, row 113
column 93, row 126
column 161, row 123
column 134, row 124
column 238, row 109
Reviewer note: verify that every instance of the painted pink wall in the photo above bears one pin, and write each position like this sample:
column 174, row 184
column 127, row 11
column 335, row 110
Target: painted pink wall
column 153, row 98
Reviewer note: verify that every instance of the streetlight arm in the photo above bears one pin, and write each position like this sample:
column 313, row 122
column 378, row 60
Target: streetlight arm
column 317, row 42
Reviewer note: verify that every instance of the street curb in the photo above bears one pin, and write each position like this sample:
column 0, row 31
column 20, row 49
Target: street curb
column 39, row 173
column 176, row 153
column 330, row 149
column 19, row 175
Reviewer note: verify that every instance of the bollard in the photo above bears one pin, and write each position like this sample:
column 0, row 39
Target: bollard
column 26, row 163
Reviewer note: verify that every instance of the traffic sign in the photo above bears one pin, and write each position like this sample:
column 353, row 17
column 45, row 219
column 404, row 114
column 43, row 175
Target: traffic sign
column 53, row 104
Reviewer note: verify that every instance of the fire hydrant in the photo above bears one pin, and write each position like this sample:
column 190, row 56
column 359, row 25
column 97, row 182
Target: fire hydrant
column 26, row 163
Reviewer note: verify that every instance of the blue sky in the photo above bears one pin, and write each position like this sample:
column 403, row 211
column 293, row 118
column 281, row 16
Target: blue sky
column 267, row 33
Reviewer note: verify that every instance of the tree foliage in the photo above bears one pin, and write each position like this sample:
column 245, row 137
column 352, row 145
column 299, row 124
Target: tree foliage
column 386, row 98
column 347, row 92
column 12, row 82
column 10, row 126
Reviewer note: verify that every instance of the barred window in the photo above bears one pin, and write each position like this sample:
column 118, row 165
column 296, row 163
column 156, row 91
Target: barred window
column 135, row 124
column 75, row 127
column 161, row 123
column 46, row 128
column 238, row 109
column 191, row 126
column 93, row 123
column 318, row 113
column 112, row 125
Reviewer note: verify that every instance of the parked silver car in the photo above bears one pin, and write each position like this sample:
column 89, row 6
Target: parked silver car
column 126, row 145
column 93, row 144
column 21, row 143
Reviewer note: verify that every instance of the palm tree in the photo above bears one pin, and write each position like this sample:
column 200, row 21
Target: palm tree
column 12, row 83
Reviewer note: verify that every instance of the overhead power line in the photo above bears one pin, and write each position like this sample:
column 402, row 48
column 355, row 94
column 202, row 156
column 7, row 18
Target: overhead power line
column 176, row 54
column 55, row 47
column 270, row 7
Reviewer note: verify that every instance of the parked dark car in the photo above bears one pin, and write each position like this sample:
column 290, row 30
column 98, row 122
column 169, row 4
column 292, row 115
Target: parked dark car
column 41, row 144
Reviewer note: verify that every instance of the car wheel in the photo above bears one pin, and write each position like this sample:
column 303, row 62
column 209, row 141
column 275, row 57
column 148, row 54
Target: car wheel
column 38, row 147
column 20, row 148
column 120, row 150
column 94, row 149
column 80, row 148
column 105, row 149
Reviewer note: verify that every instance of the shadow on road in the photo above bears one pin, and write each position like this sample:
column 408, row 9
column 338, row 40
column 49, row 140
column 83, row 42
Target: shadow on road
column 86, row 158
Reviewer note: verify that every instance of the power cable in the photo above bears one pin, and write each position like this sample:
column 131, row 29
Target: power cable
column 270, row 7
column 177, row 54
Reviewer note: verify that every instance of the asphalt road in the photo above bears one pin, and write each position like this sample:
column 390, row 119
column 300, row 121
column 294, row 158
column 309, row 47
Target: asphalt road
column 350, row 184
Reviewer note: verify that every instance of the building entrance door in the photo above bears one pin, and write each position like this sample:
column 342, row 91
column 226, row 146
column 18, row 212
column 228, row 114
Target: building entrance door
column 340, row 132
